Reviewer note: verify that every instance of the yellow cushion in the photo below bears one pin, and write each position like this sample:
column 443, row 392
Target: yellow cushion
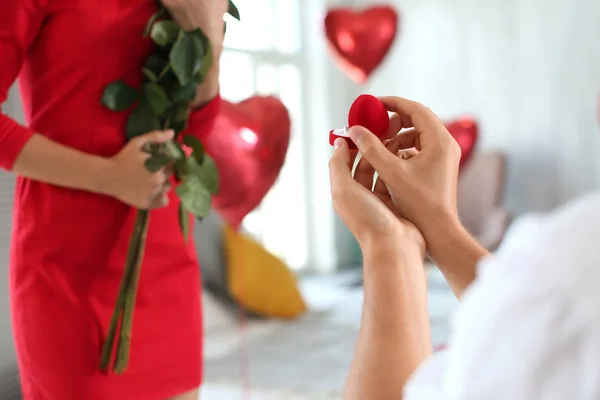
column 259, row 281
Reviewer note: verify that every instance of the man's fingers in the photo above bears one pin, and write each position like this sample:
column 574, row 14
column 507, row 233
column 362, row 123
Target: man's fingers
column 375, row 152
column 340, row 170
column 381, row 189
column 407, row 139
column 416, row 115
column 364, row 173
column 395, row 127
column 408, row 153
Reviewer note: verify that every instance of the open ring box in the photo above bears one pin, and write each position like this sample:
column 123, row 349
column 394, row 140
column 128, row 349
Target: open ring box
column 366, row 111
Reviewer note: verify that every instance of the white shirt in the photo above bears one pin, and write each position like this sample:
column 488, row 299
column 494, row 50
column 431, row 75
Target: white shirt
column 529, row 326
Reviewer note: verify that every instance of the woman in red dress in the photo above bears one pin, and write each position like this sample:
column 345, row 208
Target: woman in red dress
column 78, row 186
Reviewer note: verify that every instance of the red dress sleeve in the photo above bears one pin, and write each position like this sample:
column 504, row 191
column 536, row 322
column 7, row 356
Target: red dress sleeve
column 19, row 25
column 202, row 120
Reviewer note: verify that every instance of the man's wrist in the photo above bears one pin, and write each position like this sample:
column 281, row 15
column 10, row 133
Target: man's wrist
column 455, row 252
column 392, row 250
column 401, row 245
column 443, row 228
column 451, row 234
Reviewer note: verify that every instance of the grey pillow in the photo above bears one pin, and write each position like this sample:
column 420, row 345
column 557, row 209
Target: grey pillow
column 208, row 235
column 10, row 387
column 209, row 245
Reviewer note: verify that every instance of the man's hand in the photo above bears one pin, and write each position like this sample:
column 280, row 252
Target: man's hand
column 423, row 182
column 369, row 214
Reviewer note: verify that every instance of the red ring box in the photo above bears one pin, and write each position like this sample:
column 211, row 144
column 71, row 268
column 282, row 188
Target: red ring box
column 367, row 111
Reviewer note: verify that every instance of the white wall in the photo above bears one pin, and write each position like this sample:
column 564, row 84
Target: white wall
column 528, row 69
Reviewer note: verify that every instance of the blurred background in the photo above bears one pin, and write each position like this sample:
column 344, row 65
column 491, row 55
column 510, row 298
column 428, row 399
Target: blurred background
column 525, row 73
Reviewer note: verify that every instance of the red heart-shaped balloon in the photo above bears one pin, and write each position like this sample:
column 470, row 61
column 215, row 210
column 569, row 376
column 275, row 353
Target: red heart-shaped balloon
column 360, row 40
column 466, row 132
column 248, row 143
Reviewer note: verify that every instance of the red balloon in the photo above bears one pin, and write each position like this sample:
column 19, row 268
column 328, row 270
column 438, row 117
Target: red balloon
column 466, row 132
column 360, row 40
column 248, row 143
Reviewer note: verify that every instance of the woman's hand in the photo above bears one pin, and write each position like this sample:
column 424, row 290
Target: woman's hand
column 204, row 14
column 370, row 215
column 208, row 16
column 129, row 180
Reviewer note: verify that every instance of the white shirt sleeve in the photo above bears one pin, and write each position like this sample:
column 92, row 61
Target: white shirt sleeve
column 529, row 326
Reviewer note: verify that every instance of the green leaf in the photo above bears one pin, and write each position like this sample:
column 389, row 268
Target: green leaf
column 206, row 172
column 187, row 55
column 164, row 71
column 210, row 175
column 184, row 93
column 157, row 98
column 156, row 63
column 181, row 168
column 179, row 114
column 142, row 120
column 173, row 150
column 164, row 32
column 233, row 10
column 182, row 112
column 194, row 196
column 162, row 155
column 178, row 127
column 152, row 19
column 119, row 96
column 158, row 162
column 196, row 146
column 184, row 222
column 206, row 64
column 149, row 74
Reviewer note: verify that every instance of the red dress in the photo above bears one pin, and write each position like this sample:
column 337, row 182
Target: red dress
column 68, row 248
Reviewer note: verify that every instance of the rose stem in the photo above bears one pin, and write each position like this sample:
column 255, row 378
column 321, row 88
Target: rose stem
column 107, row 349
column 124, row 344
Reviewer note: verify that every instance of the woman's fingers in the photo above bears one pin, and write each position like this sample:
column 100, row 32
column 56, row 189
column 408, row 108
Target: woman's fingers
column 153, row 137
column 160, row 197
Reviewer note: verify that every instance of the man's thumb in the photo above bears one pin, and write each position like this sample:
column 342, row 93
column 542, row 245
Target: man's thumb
column 374, row 151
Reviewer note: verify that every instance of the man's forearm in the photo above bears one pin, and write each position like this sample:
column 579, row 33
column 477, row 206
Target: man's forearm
column 47, row 161
column 456, row 253
column 395, row 334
